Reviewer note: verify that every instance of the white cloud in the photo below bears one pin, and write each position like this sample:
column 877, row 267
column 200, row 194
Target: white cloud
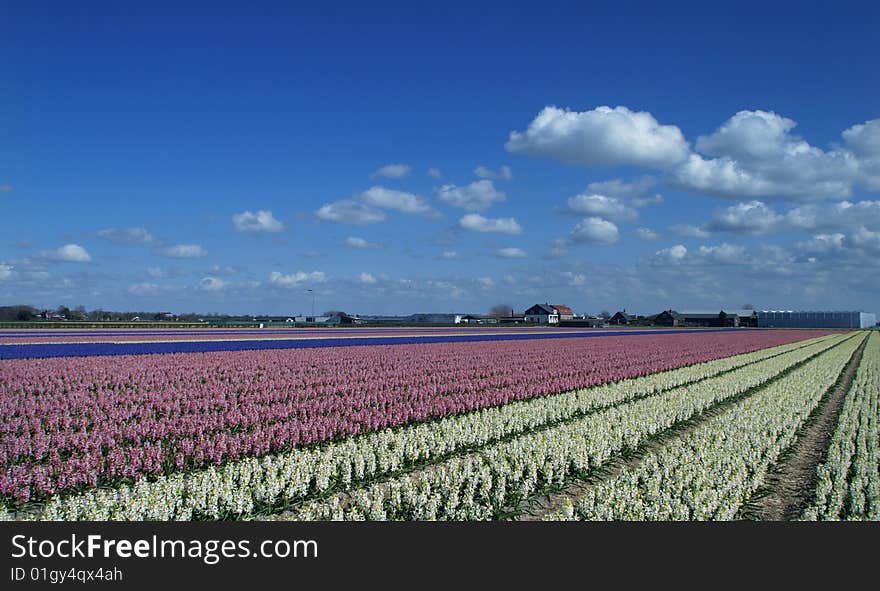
column 647, row 234
column 594, row 230
column 296, row 279
column 575, row 279
column 864, row 141
column 127, row 235
column 843, row 215
column 435, row 173
column 673, row 254
column 184, row 251
column 71, row 253
column 349, row 211
column 358, row 242
column 486, row 282
column 636, row 190
column 366, row 278
column 757, row 156
column 504, row 173
column 646, row 201
column 450, row 255
column 602, row 206
column 144, row 289
column 602, row 136
column 213, row 284
column 155, row 272
column 392, row 171
column 689, row 231
column 477, row 196
column 823, row 243
column 753, row 217
column 753, row 135
column 398, row 200
column 5, row 271
column 262, row 221
column 865, row 238
column 223, row 270
column 477, row 223
column 723, row 253
column 622, row 189
column 511, row 253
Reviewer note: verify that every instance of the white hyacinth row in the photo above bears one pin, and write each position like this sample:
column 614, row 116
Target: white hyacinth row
column 709, row 473
column 492, row 481
column 849, row 479
column 239, row 489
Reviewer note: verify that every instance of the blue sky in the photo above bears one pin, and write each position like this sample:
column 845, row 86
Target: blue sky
column 395, row 158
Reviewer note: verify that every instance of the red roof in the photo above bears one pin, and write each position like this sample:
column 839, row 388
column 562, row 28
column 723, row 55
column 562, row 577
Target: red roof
column 563, row 310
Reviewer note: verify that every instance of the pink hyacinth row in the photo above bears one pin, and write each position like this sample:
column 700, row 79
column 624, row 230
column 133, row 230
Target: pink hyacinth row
column 88, row 421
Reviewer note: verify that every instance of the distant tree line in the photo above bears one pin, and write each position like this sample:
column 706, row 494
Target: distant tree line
column 24, row 313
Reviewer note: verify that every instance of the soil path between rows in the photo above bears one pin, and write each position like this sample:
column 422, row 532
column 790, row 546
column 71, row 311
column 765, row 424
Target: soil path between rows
column 790, row 486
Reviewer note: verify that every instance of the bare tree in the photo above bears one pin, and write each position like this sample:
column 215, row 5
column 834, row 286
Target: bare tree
column 501, row 310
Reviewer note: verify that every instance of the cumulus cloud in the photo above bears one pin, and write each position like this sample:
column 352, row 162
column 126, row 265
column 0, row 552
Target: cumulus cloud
column 757, row 156
column 392, row 171
column 689, row 231
column 511, row 253
column 753, row 217
column 504, row 173
column 866, row 238
column 212, row 284
column 602, row 206
column 723, row 253
column 184, row 251
column 842, row 215
column 823, row 243
column 435, row 173
column 261, row 221
column 477, row 223
column 127, row 235
column 622, row 189
column 358, row 242
column 349, row 211
column 70, row 253
column 595, row 230
column 5, row 271
column 398, row 200
column 864, row 141
column 296, row 279
column 477, row 196
column 144, row 289
column 602, row 136
column 366, row 278
column 673, row 254
column 647, row 234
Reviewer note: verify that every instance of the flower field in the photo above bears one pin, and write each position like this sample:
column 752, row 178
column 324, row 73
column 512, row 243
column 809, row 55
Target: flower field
column 450, row 430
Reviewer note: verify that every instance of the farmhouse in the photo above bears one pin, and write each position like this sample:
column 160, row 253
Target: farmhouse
column 622, row 318
column 548, row 313
column 667, row 318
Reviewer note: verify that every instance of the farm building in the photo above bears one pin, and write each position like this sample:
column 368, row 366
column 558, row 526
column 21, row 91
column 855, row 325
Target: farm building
column 666, row 318
column 809, row 319
column 622, row 318
column 548, row 313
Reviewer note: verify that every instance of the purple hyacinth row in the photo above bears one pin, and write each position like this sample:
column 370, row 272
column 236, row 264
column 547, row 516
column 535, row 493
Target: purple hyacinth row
column 84, row 422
